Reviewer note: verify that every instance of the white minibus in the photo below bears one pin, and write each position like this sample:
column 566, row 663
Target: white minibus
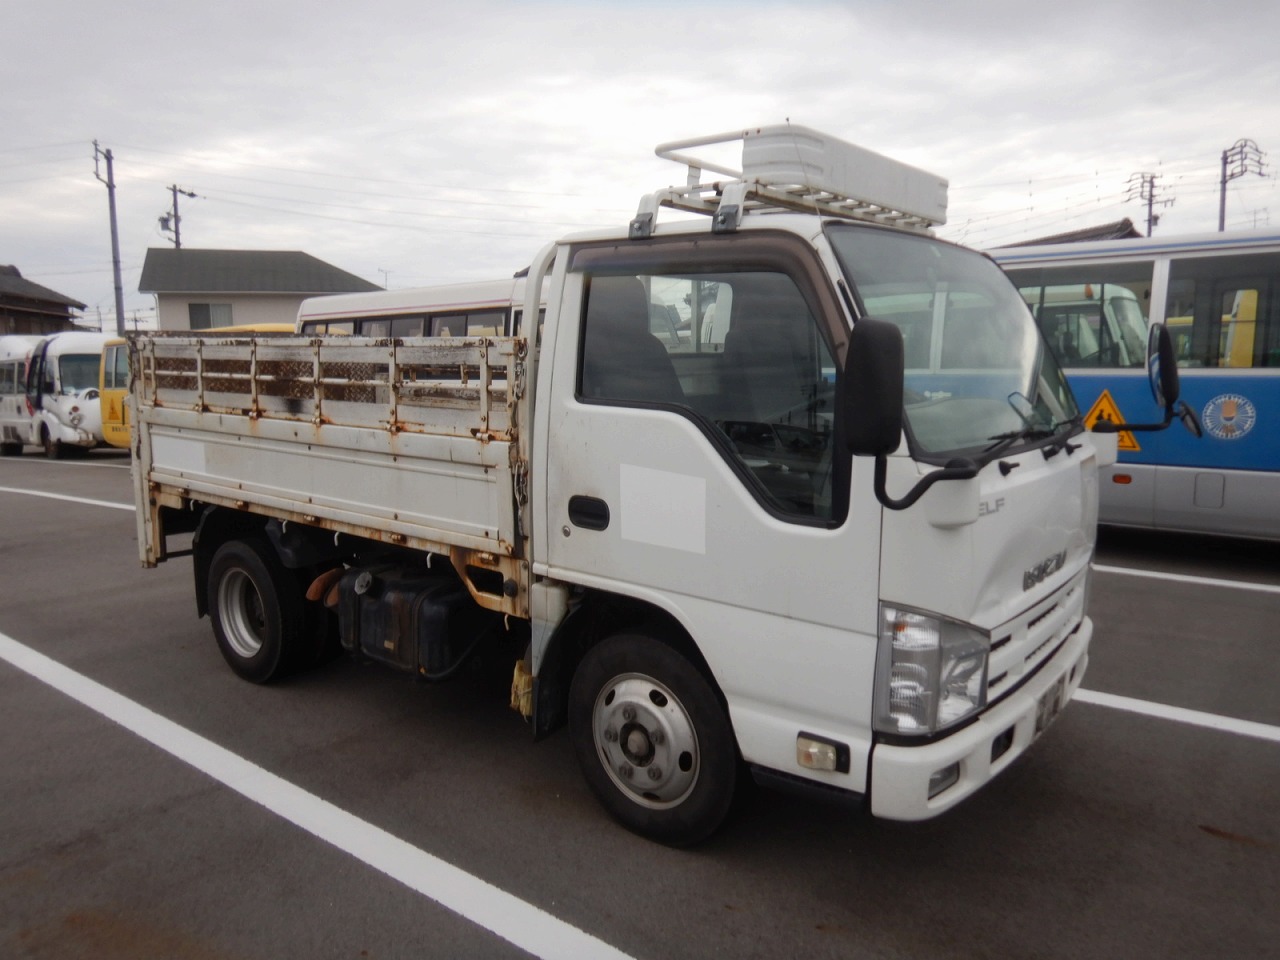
column 62, row 392
column 15, row 418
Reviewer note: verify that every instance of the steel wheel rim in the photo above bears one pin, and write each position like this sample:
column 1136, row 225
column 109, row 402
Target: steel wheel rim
column 646, row 741
column 244, row 622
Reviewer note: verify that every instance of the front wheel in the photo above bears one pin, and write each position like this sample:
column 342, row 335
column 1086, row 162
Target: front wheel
column 653, row 741
column 256, row 609
column 53, row 449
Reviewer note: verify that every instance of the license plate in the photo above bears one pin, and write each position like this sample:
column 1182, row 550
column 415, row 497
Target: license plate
column 1050, row 703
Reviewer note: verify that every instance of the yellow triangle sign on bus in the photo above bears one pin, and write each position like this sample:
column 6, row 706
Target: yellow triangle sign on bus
column 1104, row 408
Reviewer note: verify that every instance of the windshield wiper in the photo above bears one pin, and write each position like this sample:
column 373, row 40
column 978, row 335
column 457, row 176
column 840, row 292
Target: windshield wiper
column 1003, row 441
column 1064, row 444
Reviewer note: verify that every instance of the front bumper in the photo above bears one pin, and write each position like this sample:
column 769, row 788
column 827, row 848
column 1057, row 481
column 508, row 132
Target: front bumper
column 900, row 775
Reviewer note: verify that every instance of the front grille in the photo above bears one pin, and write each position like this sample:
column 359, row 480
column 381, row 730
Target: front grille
column 1026, row 641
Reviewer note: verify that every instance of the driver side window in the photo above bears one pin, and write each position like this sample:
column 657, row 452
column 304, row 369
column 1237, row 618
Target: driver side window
column 739, row 352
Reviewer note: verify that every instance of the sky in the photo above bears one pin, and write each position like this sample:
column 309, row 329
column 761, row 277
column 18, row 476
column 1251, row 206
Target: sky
column 414, row 142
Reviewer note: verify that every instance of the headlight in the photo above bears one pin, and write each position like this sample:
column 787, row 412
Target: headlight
column 930, row 673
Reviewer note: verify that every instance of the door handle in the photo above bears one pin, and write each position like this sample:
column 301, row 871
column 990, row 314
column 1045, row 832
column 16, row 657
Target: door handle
column 590, row 513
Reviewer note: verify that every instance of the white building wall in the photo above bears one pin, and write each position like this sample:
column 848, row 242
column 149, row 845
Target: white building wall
column 172, row 309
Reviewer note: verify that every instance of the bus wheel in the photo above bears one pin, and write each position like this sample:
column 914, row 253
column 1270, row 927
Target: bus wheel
column 10, row 449
column 653, row 741
column 256, row 610
column 53, row 449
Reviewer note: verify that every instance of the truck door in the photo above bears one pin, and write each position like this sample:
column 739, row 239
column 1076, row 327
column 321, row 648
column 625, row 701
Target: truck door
column 696, row 466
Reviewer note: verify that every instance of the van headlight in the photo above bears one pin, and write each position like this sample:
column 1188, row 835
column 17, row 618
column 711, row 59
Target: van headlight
column 931, row 673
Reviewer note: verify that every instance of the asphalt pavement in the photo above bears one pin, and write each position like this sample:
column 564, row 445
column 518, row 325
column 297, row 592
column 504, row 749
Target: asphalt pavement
column 154, row 805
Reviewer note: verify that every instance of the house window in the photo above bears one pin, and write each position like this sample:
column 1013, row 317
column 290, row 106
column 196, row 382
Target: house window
column 203, row 316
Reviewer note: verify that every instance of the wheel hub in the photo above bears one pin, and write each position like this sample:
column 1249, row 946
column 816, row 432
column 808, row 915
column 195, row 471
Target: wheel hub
column 646, row 740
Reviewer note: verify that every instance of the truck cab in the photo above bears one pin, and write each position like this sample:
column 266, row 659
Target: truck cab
column 864, row 629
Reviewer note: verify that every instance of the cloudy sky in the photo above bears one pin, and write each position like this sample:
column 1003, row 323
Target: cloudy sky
column 414, row 142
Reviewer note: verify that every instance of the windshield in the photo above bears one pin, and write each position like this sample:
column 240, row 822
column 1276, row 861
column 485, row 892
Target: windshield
column 78, row 371
column 978, row 376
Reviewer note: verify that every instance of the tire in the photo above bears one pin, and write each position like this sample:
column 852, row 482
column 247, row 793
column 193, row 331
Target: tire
column 257, row 610
column 10, row 449
column 53, row 449
column 652, row 739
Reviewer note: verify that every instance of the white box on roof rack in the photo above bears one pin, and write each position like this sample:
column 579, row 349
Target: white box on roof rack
column 795, row 167
column 789, row 155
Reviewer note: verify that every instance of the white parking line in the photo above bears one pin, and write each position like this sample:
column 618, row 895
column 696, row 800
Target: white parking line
column 61, row 496
column 1184, row 578
column 1244, row 728
column 522, row 924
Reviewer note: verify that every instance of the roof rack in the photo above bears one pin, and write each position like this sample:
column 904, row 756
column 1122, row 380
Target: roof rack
column 787, row 167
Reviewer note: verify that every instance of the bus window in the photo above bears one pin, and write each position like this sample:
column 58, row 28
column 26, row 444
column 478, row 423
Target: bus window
column 115, row 367
column 449, row 325
column 1092, row 316
column 406, row 327
column 1220, row 312
column 488, row 323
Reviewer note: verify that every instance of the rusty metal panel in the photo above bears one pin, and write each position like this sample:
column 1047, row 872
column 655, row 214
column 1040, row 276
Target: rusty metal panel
column 411, row 442
column 459, row 387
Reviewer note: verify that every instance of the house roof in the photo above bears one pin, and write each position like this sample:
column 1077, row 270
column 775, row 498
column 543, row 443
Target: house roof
column 1119, row 230
column 169, row 270
column 12, row 284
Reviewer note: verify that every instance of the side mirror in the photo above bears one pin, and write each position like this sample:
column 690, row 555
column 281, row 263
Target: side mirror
column 872, row 388
column 1162, row 375
column 1162, row 367
column 871, row 404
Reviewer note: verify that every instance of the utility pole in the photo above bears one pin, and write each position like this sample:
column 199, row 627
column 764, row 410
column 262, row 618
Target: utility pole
column 110, row 181
column 1142, row 186
column 173, row 217
column 1246, row 157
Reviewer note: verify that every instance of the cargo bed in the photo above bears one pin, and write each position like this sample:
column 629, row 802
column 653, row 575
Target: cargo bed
column 413, row 442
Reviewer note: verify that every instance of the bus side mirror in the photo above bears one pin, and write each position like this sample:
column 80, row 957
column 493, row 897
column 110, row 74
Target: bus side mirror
column 872, row 388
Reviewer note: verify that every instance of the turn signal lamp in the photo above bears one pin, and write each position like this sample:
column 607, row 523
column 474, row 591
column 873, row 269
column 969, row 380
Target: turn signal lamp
column 819, row 753
column 943, row 779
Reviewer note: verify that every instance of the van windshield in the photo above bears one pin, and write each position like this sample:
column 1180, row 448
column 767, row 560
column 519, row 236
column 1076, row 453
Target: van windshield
column 979, row 378
column 77, row 371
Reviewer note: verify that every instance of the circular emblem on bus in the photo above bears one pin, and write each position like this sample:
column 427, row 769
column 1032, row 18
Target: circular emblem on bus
column 1229, row 416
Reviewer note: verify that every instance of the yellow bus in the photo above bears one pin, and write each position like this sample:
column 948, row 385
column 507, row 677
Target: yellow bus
column 113, row 388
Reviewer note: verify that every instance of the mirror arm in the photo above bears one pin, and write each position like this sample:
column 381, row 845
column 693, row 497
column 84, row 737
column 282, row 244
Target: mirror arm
column 958, row 469
column 1180, row 410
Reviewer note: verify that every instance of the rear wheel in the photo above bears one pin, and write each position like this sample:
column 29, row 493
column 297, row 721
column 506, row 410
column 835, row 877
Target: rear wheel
column 653, row 741
column 10, row 449
column 256, row 608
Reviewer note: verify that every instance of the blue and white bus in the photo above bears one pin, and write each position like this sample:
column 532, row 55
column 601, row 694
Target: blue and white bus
column 1219, row 295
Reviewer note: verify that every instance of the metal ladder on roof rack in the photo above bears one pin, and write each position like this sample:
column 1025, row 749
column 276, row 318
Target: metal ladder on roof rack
column 788, row 167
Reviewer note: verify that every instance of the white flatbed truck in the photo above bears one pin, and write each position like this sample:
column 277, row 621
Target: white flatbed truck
column 793, row 488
